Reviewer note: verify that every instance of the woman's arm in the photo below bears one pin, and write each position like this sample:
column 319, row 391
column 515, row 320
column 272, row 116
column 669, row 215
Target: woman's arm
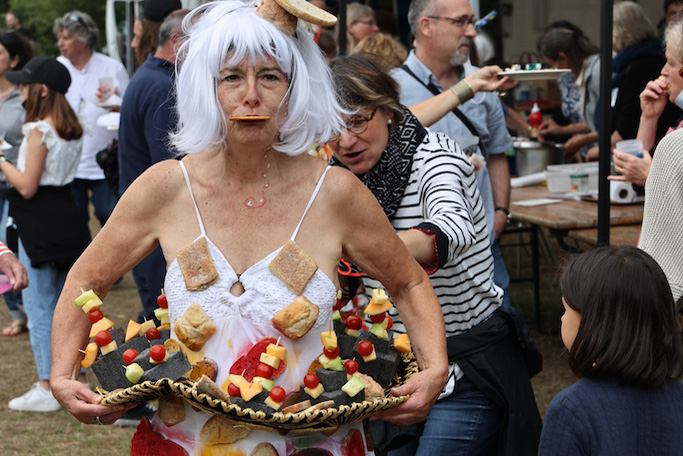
column 27, row 182
column 130, row 234
column 369, row 240
column 652, row 104
column 484, row 79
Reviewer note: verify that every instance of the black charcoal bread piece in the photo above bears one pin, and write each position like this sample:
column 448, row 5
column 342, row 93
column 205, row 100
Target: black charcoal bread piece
column 256, row 403
column 382, row 369
column 381, row 345
column 331, row 379
column 174, row 367
column 143, row 359
column 344, row 341
column 117, row 335
column 111, row 372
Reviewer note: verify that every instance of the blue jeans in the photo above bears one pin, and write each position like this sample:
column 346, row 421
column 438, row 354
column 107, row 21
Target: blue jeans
column 12, row 298
column 101, row 196
column 40, row 300
column 500, row 274
column 465, row 423
column 149, row 279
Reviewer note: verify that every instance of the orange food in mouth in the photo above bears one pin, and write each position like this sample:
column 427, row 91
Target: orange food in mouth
column 249, row 118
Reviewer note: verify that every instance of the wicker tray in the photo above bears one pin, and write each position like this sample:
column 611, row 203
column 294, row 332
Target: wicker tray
column 318, row 420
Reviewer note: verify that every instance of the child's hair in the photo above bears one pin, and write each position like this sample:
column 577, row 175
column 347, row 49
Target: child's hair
column 628, row 330
column 54, row 104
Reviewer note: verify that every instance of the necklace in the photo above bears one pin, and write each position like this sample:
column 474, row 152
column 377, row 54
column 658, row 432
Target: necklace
column 254, row 203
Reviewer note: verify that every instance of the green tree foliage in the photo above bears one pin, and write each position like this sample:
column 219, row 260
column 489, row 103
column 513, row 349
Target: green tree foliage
column 38, row 17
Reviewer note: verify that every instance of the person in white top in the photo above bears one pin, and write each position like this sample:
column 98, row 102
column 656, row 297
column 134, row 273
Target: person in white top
column 51, row 236
column 94, row 78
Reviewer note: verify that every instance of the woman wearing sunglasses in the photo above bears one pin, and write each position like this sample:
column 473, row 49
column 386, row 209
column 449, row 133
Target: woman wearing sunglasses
column 428, row 191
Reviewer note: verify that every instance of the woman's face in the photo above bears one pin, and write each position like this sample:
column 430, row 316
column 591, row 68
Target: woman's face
column 571, row 320
column 670, row 71
column 23, row 92
column 361, row 152
column 6, row 62
column 253, row 89
column 365, row 26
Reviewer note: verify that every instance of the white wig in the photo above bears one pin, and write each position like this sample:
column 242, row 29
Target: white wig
column 216, row 30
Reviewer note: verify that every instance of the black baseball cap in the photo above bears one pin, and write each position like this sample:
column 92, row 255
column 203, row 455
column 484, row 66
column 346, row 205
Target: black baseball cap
column 157, row 10
column 42, row 70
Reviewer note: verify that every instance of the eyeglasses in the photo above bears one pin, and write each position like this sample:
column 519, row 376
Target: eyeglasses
column 460, row 22
column 356, row 124
column 369, row 22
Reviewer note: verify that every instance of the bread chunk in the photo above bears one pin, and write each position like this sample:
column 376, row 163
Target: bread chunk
column 171, row 410
column 194, row 327
column 293, row 266
column 295, row 320
column 196, row 265
column 221, row 430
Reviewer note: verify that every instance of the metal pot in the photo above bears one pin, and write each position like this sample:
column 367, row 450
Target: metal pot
column 534, row 156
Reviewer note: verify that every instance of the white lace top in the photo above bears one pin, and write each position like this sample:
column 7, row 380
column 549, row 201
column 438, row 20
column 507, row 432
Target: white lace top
column 62, row 157
column 241, row 321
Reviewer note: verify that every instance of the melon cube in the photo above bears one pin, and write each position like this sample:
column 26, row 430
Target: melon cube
column 104, row 324
column 249, row 390
column 90, row 355
column 270, row 360
column 110, row 347
column 278, row 351
column 146, row 326
column 272, row 404
column 132, row 330
column 93, row 304
column 315, row 392
column 85, row 297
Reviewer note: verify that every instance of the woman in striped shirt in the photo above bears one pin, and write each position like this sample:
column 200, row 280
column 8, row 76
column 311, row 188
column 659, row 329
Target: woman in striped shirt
column 427, row 188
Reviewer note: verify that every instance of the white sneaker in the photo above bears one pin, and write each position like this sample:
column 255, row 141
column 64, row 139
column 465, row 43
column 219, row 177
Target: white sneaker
column 36, row 400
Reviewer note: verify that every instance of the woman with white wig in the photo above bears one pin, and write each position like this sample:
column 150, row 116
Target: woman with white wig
column 252, row 95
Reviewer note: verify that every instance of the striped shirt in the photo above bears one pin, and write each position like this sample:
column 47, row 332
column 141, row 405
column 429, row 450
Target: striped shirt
column 442, row 197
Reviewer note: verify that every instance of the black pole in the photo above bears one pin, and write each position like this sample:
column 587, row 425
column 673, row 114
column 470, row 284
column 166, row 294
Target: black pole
column 605, row 140
column 341, row 23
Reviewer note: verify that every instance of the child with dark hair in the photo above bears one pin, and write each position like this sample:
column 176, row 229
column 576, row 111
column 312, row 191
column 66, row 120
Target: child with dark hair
column 624, row 340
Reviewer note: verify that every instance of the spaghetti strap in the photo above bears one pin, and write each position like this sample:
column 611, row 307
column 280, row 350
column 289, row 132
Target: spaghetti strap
column 310, row 202
column 189, row 187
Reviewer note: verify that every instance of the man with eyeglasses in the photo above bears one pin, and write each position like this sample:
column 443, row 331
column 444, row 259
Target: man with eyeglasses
column 90, row 71
column 444, row 33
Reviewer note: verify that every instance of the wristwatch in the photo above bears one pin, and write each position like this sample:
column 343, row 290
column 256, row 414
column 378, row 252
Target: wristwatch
column 504, row 211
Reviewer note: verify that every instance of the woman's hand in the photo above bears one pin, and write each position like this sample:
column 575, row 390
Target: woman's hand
column 653, row 99
column 424, row 389
column 486, row 80
column 631, row 168
column 14, row 270
column 85, row 404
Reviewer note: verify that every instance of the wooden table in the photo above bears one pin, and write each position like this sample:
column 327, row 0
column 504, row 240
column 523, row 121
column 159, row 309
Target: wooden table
column 569, row 216
column 618, row 235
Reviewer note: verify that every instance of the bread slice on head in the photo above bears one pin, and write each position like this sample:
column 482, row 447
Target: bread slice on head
column 293, row 266
column 194, row 327
column 295, row 320
column 196, row 265
column 221, row 430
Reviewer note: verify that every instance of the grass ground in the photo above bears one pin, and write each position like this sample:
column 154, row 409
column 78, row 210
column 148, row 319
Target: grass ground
column 59, row 434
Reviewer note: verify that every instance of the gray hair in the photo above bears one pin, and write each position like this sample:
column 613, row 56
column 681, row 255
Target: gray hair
column 80, row 25
column 419, row 9
column 355, row 11
column 172, row 24
column 673, row 37
column 631, row 25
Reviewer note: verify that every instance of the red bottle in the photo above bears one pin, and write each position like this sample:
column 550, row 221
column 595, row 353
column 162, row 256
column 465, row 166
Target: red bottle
column 535, row 117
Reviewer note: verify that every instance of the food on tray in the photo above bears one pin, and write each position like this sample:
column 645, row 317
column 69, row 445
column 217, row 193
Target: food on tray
column 295, row 320
column 196, row 265
column 205, row 366
column 293, row 266
column 373, row 390
column 298, row 407
column 171, row 410
column 276, row 398
column 222, row 430
column 248, row 364
column 207, row 386
column 131, row 357
column 194, row 327
column 402, row 343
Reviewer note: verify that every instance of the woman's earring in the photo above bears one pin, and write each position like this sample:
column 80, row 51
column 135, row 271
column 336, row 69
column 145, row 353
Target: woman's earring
column 389, row 122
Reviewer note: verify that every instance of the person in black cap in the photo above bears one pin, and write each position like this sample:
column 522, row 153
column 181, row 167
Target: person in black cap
column 146, row 29
column 51, row 234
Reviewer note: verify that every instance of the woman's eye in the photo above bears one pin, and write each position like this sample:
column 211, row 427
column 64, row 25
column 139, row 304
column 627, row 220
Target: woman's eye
column 230, row 78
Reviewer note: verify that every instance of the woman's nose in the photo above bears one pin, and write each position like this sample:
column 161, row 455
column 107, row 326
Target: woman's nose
column 251, row 95
column 346, row 139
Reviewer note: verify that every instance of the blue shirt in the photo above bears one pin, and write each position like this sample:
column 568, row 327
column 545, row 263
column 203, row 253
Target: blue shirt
column 147, row 117
column 484, row 111
column 601, row 417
